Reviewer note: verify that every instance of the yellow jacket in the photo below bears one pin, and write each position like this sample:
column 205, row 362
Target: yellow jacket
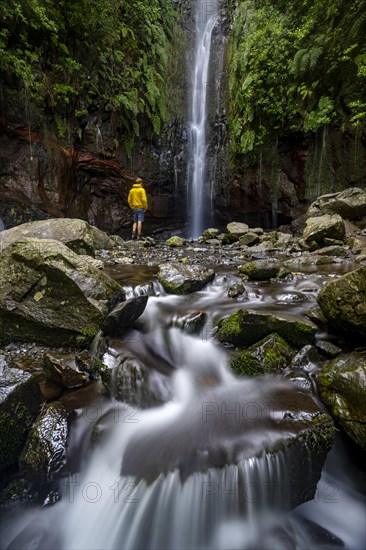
column 137, row 197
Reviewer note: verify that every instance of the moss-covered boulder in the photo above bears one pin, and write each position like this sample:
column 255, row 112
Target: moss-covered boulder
column 246, row 327
column 175, row 242
column 77, row 235
column 44, row 453
column 210, row 233
column 49, row 295
column 20, row 401
column 183, row 278
column 249, row 239
column 270, row 355
column 342, row 386
column 343, row 303
column 349, row 204
column 320, row 230
column 261, row 270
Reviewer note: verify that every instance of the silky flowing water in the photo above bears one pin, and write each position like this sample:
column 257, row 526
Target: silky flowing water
column 143, row 485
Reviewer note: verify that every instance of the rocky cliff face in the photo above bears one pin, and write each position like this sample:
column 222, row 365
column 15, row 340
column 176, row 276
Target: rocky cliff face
column 290, row 176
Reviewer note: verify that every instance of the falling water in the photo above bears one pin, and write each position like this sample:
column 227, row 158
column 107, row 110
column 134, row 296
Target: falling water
column 206, row 18
column 99, row 140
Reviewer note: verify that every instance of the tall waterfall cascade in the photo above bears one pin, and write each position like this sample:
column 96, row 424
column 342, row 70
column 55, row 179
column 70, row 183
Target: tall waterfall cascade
column 200, row 196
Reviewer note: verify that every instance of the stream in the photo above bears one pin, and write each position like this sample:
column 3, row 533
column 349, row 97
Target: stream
column 186, row 469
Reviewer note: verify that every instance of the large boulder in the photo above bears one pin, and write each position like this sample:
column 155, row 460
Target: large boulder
column 51, row 296
column 349, row 204
column 246, row 327
column 343, row 302
column 20, row 401
column 342, row 386
column 183, row 278
column 76, row 234
column 319, row 230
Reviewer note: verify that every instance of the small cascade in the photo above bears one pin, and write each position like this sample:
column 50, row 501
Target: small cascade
column 99, row 141
column 27, row 117
column 169, row 513
column 206, row 19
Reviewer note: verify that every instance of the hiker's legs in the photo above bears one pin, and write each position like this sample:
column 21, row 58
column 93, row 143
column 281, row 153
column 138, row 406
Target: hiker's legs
column 139, row 228
column 134, row 227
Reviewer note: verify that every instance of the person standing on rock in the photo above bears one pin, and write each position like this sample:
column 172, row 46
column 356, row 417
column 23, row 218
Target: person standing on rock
column 137, row 201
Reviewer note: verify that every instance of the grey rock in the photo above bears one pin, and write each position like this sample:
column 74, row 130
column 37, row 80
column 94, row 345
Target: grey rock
column 50, row 295
column 183, row 278
column 123, row 316
column 77, row 235
column 349, row 204
column 322, row 227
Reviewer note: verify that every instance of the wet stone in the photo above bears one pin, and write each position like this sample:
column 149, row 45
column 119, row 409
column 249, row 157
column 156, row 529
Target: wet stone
column 328, row 349
column 237, row 290
column 44, row 453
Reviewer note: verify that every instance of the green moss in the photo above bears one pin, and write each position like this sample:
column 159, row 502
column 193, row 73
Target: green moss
column 246, row 364
column 230, row 328
column 270, row 355
column 170, row 287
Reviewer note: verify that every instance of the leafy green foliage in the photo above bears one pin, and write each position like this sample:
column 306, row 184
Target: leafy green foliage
column 295, row 66
column 75, row 57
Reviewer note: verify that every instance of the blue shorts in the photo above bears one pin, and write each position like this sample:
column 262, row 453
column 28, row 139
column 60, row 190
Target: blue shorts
column 138, row 215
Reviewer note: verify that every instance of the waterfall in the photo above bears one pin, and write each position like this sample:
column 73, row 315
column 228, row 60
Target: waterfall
column 206, row 18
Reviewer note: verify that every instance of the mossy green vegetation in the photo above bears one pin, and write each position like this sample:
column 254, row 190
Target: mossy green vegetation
column 295, row 67
column 70, row 58
column 270, row 355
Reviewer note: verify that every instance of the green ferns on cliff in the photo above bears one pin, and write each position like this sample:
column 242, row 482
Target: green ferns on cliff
column 295, row 66
column 70, row 58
